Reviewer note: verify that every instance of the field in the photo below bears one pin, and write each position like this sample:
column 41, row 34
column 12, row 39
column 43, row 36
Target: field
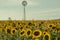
column 30, row 30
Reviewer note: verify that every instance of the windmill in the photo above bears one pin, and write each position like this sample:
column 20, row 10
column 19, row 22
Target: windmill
column 24, row 3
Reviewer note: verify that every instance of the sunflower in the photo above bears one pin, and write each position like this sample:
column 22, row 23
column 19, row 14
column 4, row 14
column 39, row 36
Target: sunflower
column 30, row 23
column 28, row 32
column 8, row 23
column 17, row 28
column 22, row 32
column 13, row 24
column 54, row 29
column 21, row 27
column 58, row 29
column 46, row 36
column 50, row 25
column 8, row 30
column 36, row 34
column 18, row 23
column 13, row 31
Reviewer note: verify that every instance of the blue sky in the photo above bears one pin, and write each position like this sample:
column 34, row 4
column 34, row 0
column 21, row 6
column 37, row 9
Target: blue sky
column 35, row 9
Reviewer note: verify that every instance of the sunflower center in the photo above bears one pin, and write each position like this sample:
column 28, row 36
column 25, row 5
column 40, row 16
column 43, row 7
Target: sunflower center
column 21, row 28
column 50, row 26
column 29, row 24
column 22, row 32
column 53, row 27
column 28, row 33
column 8, row 31
column 14, row 25
column 36, row 33
column 13, row 31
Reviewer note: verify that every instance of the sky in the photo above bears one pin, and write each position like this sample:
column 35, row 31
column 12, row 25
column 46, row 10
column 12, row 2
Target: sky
column 35, row 9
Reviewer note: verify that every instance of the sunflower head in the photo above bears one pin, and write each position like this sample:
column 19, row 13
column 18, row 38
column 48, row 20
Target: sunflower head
column 21, row 28
column 50, row 25
column 23, row 32
column 13, row 31
column 58, row 29
column 28, row 32
column 13, row 24
column 46, row 36
column 8, row 30
column 37, row 34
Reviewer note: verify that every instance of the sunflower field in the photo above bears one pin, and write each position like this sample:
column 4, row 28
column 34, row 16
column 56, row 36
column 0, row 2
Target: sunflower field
column 30, row 30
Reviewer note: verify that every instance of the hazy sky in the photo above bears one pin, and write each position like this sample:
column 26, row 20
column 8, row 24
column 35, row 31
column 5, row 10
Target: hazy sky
column 35, row 9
